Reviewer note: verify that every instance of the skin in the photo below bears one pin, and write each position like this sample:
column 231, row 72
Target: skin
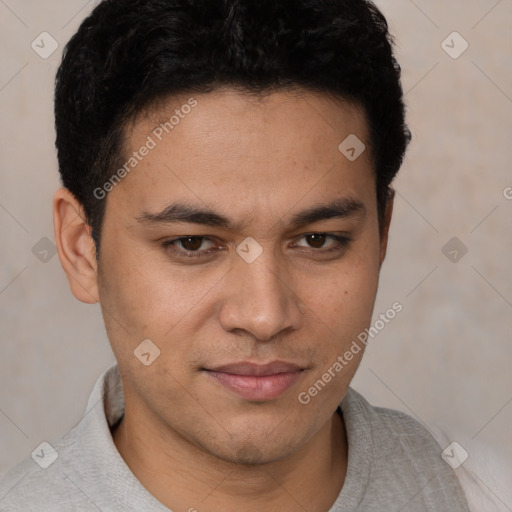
column 194, row 444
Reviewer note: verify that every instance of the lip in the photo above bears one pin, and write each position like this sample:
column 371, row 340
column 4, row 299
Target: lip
column 257, row 382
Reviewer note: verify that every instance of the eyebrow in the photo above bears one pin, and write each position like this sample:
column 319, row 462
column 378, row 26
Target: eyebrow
column 185, row 212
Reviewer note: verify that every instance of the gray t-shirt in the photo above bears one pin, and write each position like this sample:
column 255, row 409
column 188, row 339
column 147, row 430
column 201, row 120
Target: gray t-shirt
column 394, row 465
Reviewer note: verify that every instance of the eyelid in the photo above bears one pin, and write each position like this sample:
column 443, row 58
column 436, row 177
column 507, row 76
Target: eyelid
column 183, row 252
column 341, row 242
column 341, row 239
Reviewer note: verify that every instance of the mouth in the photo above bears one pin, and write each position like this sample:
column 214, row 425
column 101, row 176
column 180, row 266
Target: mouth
column 257, row 382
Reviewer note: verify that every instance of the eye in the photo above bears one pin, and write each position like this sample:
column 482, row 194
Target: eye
column 190, row 246
column 317, row 241
column 193, row 246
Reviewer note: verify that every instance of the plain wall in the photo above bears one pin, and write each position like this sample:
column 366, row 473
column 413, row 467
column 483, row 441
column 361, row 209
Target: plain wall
column 445, row 359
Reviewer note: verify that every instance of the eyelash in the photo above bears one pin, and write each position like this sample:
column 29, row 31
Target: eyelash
column 341, row 243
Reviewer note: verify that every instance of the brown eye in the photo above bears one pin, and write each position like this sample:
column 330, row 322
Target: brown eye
column 191, row 243
column 190, row 246
column 323, row 243
column 316, row 240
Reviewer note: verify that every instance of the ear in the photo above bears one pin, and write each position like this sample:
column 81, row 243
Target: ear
column 75, row 246
column 386, row 221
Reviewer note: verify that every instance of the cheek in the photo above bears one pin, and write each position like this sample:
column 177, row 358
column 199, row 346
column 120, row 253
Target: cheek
column 343, row 298
column 142, row 297
column 140, row 289
column 341, row 309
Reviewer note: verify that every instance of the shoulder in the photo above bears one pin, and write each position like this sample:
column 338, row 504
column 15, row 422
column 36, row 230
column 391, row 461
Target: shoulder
column 52, row 477
column 404, row 459
column 388, row 427
column 36, row 484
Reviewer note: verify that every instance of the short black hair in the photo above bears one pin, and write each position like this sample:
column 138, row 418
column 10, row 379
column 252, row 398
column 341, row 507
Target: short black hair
column 129, row 54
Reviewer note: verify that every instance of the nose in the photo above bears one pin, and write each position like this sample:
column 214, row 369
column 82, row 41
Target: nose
column 259, row 299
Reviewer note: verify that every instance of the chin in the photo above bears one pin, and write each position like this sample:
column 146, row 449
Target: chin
column 252, row 451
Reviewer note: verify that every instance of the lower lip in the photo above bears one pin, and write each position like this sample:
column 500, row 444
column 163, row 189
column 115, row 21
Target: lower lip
column 257, row 388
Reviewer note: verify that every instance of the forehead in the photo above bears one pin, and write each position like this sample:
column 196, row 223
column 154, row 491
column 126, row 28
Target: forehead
column 228, row 148
column 233, row 112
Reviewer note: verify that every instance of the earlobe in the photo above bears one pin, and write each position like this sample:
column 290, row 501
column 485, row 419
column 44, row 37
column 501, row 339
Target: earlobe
column 384, row 232
column 75, row 246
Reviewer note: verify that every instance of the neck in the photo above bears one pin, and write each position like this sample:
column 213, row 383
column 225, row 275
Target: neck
column 183, row 477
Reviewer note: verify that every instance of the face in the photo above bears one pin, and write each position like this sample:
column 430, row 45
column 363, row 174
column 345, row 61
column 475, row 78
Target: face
column 246, row 247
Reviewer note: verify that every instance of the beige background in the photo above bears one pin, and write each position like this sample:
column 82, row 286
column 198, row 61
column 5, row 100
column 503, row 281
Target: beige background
column 445, row 359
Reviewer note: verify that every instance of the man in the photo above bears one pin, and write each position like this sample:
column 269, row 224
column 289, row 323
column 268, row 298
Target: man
column 226, row 169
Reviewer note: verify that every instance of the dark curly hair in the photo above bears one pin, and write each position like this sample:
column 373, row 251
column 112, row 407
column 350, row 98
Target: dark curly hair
column 129, row 54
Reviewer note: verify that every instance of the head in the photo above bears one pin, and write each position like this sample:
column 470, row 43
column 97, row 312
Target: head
column 221, row 121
